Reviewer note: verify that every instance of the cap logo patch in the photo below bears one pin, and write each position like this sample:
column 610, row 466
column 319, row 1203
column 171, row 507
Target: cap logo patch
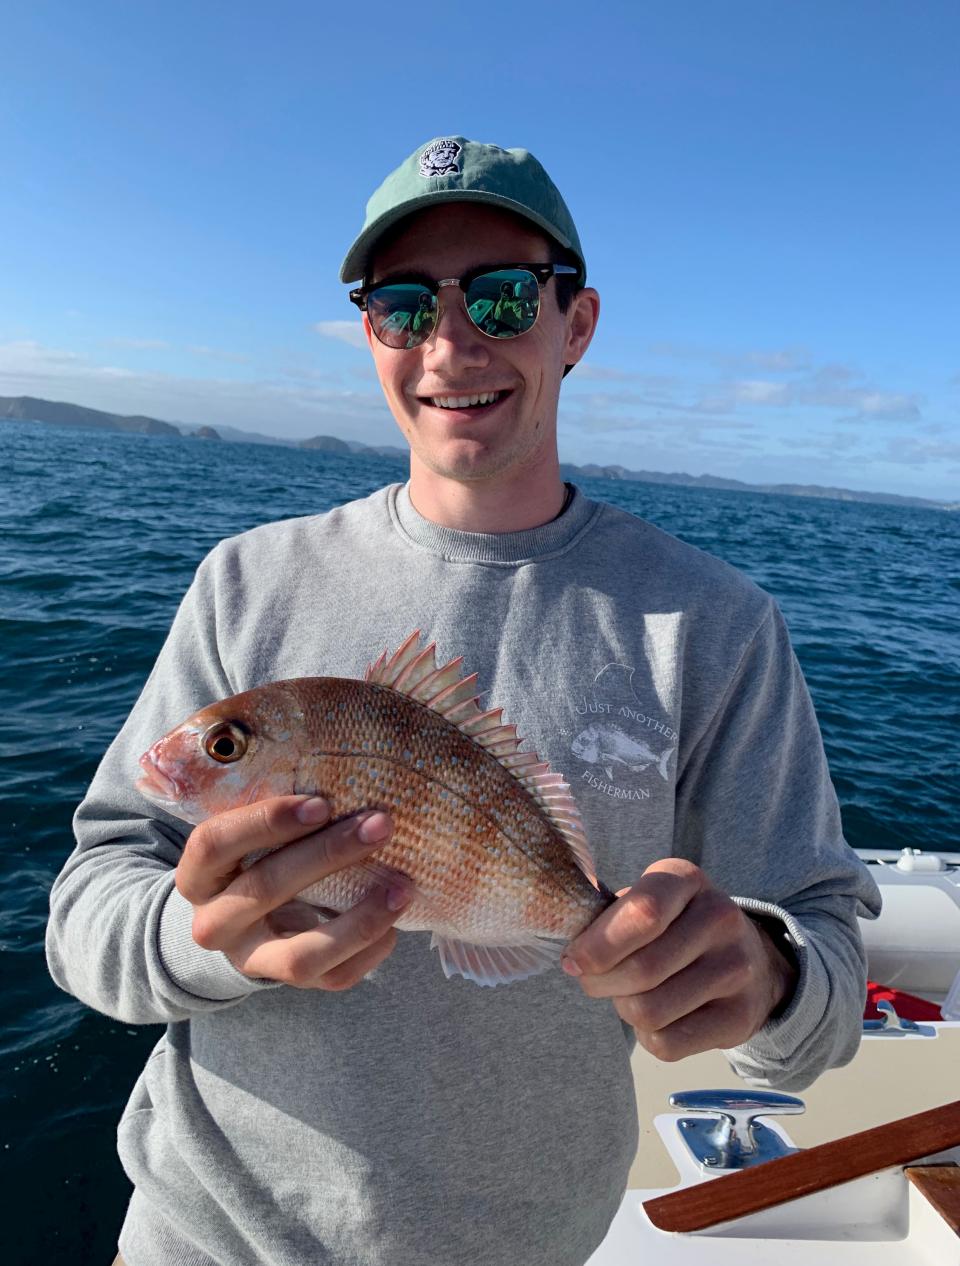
column 442, row 158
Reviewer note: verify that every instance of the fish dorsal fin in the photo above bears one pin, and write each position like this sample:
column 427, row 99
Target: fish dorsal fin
column 413, row 671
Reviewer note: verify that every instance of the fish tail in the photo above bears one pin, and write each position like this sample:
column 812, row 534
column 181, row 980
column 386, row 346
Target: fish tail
column 662, row 764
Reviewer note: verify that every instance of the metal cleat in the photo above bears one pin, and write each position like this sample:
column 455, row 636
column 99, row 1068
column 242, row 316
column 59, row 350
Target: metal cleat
column 890, row 1022
column 728, row 1135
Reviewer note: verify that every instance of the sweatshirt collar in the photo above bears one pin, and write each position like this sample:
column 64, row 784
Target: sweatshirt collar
column 505, row 548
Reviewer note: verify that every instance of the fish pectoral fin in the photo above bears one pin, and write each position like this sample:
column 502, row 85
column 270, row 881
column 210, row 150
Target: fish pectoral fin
column 495, row 964
column 344, row 888
column 385, row 876
column 608, row 770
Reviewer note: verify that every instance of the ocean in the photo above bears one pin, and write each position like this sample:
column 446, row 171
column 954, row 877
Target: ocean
column 99, row 536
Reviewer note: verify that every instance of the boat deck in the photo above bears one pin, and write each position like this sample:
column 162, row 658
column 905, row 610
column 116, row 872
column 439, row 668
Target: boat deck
column 890, row 1077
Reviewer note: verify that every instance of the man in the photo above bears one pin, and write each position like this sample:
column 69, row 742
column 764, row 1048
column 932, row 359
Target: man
column 322, row 1093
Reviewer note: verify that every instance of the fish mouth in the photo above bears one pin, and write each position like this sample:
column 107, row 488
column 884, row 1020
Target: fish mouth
column 156, row 785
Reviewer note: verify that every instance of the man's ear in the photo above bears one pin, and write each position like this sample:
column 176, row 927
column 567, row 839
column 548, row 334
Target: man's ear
column 367, row 329
column 582, row 317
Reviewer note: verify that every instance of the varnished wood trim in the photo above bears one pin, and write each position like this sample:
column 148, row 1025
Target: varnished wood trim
column 940, row 1184
column 813, row 1169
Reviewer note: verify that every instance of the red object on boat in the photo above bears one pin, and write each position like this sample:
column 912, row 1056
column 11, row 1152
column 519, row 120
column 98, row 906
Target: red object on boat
column 907, row 1005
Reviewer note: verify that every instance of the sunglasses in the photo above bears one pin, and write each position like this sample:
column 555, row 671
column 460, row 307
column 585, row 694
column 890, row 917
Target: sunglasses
column 501, row 302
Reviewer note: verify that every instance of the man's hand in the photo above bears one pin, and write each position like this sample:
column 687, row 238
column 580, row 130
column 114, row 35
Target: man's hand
column 681, row 963
column 251, row 915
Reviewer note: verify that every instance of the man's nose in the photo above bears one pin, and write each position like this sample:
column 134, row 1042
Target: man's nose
column 456, row 338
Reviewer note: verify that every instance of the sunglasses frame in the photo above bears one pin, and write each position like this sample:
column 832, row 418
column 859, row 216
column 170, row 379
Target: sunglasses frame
column 540, row 272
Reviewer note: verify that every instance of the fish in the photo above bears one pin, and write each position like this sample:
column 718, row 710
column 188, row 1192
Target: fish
column 487, row 836
column 608, row 745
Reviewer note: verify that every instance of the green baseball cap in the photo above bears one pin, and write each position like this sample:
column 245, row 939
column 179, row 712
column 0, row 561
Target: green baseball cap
column 453, row 169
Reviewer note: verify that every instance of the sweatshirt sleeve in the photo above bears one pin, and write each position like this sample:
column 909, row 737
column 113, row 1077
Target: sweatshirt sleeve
column 119, row 934
column 757, row 811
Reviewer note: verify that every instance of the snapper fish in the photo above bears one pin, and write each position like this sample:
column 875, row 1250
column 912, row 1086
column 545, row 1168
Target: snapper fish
column 488, row 836
column 608, row 745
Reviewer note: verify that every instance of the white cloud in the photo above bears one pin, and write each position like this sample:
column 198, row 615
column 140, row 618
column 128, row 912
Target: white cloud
column 832, row 385
column 826, row 388
column 294, row 404
column 757, row 392
column 28, row 356
column 892, row 406
column 913, row 452
column 603, row 373
column 344, row 331
column 775, row 360
column 138, row 344
column 784, row 360
column 161, row 345
column 216, row 353
column 754, row 436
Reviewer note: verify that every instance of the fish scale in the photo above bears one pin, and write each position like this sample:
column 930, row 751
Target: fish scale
column 488, row 836
column 440, row 823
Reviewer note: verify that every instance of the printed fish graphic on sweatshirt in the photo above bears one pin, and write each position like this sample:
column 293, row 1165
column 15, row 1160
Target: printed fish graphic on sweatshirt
column 489, row 837
column 608, row 745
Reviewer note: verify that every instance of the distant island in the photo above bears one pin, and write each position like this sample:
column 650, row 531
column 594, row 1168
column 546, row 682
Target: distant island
column 30, row 409
column 682, row 480
column 60, row 413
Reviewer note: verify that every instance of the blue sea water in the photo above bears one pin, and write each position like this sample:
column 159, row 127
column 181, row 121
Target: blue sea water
column 100, row 534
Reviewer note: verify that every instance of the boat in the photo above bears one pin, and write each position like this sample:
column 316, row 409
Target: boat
column 915, row 944
column 864, row 1168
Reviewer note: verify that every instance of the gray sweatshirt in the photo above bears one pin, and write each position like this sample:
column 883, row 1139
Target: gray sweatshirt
column 413, row 1119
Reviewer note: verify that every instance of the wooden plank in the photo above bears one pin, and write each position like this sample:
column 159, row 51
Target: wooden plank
column 940, row 1184
column 815, row 1169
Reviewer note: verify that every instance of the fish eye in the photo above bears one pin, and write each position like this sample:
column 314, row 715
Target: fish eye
column 225, row 743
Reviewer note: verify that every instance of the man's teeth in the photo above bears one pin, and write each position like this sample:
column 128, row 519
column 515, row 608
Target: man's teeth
column 464, row 402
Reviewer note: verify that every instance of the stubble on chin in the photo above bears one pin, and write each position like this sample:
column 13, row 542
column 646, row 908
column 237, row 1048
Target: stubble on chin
column 475, row 462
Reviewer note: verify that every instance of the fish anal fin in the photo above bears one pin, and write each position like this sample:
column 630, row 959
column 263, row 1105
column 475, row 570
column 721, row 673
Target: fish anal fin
column 495, row 964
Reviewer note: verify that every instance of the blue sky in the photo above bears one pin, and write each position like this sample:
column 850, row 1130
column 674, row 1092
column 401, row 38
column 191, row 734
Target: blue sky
column 768, row 195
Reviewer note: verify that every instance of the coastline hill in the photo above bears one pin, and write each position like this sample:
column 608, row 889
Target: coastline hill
column 30, row 409
column 61, row 413
column 682, row 480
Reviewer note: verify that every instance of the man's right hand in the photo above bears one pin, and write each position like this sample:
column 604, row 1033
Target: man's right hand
column 251, row 914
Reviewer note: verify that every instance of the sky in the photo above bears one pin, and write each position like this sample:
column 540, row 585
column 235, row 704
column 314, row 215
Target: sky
column 767, row 192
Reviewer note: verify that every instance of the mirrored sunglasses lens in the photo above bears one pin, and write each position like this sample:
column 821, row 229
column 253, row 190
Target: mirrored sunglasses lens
column 505, row 303
column 402, row 316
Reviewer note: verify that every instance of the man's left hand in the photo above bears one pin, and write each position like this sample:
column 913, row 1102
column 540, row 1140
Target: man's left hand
column 681, row 963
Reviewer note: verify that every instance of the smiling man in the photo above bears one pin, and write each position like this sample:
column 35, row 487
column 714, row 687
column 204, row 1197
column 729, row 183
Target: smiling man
column 477, row 401
column 323, row 1094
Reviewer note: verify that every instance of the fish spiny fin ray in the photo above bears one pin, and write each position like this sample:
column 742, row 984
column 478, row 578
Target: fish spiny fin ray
column 437, row 682
column 420, row 667
column 496, row 964
column 414, row 672
column 385, row 671
column 373, row 670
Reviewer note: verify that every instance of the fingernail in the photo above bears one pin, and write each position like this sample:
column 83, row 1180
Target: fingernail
column 398, row 897
column 374, row 828
column 313, row 810
column 570, row 967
